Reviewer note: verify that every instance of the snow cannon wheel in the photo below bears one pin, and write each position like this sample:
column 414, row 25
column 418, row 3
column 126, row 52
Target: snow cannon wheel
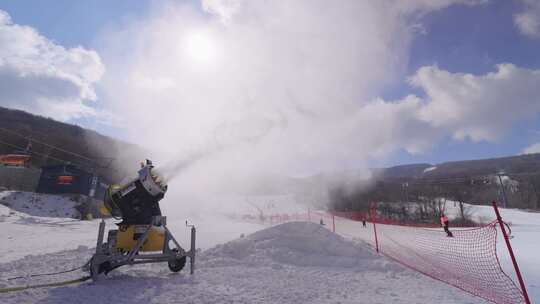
column 96, row 270
column 177, row 264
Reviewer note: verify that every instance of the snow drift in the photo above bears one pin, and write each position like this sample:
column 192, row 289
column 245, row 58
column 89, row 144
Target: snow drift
column 294, row 243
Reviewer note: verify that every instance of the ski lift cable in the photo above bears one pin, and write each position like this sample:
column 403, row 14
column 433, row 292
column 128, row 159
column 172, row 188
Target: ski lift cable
column 42, row 154
column 49, row 145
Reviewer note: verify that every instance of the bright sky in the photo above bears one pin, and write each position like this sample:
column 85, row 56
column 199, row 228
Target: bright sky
column 338, row 84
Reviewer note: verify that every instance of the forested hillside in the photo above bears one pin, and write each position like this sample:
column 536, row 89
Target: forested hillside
column 55, row 142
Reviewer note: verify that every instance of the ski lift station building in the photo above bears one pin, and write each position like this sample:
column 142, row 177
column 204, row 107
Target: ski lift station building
column 70, row 179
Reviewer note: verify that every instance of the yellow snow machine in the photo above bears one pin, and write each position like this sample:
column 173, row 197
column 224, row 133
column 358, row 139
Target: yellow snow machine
column 142, row 235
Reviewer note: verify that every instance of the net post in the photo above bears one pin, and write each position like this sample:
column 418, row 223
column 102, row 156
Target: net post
column 516, row 267
column 192, row 250
column 333, row 223
column 373, row 220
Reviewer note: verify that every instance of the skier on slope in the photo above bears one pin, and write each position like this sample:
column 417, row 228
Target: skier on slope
column 444, row 223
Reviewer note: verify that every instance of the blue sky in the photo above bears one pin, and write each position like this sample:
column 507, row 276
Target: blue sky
column 72, row 23
column 457, row 39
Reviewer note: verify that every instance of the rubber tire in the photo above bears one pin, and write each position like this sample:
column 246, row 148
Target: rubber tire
column 104, row 267
column 178, row 264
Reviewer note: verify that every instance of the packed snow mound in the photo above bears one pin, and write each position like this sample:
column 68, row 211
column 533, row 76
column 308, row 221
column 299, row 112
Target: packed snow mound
column 40, row 204
column 295, row 243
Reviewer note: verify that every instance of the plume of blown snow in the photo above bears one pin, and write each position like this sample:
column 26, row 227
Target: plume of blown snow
column 230, row 91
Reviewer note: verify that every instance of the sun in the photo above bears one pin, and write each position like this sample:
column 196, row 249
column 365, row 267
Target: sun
column 200, row 46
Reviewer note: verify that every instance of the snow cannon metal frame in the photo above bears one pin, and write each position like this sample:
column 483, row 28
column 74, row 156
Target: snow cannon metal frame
column 142, row 236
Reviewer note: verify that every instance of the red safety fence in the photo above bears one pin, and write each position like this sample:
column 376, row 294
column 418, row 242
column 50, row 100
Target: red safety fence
column 468, row 260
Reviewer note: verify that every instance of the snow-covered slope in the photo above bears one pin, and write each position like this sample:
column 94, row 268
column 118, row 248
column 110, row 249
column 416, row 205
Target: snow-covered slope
column 39, row 204
column 429, row 169
column 291, row 263
column 22, row 234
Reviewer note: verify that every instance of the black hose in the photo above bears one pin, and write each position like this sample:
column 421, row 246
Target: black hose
column 47, row 274
column 54, row 284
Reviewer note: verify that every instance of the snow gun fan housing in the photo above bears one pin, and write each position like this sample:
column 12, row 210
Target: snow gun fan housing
column 137, row 201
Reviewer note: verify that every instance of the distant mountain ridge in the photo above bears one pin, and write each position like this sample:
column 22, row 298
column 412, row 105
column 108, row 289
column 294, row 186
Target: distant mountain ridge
column 519, row 164
column 402, row 171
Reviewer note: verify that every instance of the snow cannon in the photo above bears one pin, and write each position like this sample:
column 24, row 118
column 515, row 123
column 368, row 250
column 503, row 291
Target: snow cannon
column 137, row 201
column 142, row 235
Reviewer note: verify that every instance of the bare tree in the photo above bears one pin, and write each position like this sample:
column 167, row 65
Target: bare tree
column 260, row 211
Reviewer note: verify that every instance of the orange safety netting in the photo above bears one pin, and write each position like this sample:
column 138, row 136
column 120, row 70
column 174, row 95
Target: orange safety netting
column 467, row 261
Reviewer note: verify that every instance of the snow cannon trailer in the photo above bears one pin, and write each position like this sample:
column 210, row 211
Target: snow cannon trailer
column 142, row 235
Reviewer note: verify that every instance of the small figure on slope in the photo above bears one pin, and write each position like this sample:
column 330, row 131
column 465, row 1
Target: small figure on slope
column 444, row 223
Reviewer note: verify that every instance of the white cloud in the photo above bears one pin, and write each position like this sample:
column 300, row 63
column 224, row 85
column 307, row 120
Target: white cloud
column 535, row 148
column 528, row 21
column 480, row 107
column 225, row 9
column 42, row 77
